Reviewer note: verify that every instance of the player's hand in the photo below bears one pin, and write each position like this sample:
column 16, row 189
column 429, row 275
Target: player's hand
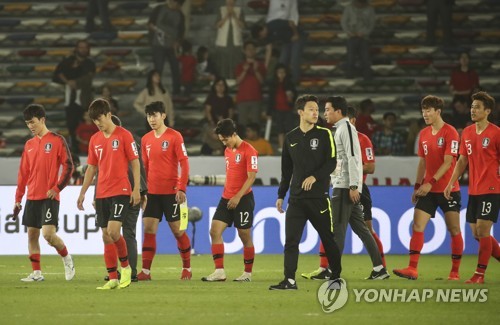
column 233, row 202
column 51, row 194
column 17, row 208
column 414, row 197
column 79, row 202
column 447, row 191
column 354, row 195
column 135, row 197
column 308, row 183
column 93, row 204
column 180, row 197
column 144, row 202
column 423, row 189
column 279, row 205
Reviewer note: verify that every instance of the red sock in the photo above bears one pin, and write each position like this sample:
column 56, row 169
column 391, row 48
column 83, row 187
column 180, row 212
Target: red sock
column 63, row 252
column 380, row 247
column 148, row 250
column 218, row 255
column 248, row 256
column 184, row 246
column 323, row 261
column 457, row 248
column 35, row 262
column 416, row 244
column 121, row 248
column 495, row 249
column 110, row 257
column 484, row 254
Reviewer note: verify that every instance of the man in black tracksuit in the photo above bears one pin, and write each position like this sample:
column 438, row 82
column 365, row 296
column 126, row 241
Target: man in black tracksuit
column 307, row 160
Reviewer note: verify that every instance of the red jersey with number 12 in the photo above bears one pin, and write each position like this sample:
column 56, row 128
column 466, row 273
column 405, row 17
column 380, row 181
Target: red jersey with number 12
column 111, row 156
column 433, row 148
column 239, row 162
column 367, row 153
column 483, row 152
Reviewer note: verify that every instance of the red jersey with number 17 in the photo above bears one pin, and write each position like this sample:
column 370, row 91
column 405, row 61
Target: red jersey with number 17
column 367, row 153
column 433, row 148
column 239, row 162
column 111, row 156
column 483, row 153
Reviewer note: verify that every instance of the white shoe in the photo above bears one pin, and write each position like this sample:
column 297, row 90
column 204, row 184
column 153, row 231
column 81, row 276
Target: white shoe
column 69, row 267
column 33, row 277
column 245, row 277
column 218, row 275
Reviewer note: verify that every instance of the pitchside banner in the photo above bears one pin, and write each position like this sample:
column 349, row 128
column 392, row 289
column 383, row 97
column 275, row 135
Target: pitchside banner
column 392, row 214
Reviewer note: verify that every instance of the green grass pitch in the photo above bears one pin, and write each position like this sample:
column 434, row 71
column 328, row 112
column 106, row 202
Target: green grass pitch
column 167, row 300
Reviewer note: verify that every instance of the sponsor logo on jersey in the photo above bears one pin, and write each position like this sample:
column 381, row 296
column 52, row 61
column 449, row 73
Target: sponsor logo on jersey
column 48, row 147
column 164, row 145
column 486, row 142
column 115, row 144
column 314, row 143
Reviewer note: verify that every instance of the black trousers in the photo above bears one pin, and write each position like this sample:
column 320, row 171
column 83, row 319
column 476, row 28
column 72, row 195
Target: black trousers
column 319, row 213
column 129, row 226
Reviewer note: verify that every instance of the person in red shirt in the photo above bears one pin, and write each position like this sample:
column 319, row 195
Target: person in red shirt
column 480, row 149
column 84, row 132
column 438, row 149
column 188, row 67
column 365, row 123
column 163, row 151
column 42, row 158
column 111, row 151
column 237, row 202
column 464, row 80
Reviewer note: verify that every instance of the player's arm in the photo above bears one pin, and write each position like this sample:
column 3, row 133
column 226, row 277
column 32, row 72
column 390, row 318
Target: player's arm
column 22, row 180
column 425, row 188
column 419, row 178
column 135, row 198
column 462, row 163
column 67, row 170
column 369, row 168
column 235, row 200
column 87, row 180
column 329, row 164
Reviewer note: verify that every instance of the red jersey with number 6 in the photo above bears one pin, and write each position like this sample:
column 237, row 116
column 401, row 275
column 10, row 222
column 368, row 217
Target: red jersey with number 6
column 483, row 152
column 239, row 162
column 111, row 156
column 367, row 153
column 433, row 148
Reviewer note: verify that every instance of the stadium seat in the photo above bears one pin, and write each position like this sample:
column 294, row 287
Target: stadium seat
column 121, row 22
column 74, row 37
column 133, row 6
column 19, row 101
column 413, row 63
column 48, row 101
column 16, row 8
column 411, row 3
column 331, row 19
column 109, row 66
column 102, row 36
column 34, row 53
column 9, row 23
column 19, row 69
column 57, row 54
column 321, row 36
column 33, row 23
column 134, row 69
column 45, row 70
column 382, row 4
column 6, row 85
column 48, row 38
column 44, row 8
column 392, row 21
column 116, row 52
column 124, row 85
column 5, row 53
column 309, row 20
column 62, row 23
column 21, row 37
column 491, row 35
column 259, row 5
column 75, row 8
column 132, row 37
column 394, row 49
column 25, row 86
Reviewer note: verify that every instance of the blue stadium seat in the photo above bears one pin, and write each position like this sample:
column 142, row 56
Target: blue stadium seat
column 9, row 23
column 21, row 37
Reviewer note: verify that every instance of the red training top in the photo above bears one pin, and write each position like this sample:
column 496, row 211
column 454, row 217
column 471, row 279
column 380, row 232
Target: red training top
column 367, row 153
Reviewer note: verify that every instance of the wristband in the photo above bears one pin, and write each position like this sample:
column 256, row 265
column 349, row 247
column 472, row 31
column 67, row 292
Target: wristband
column 416, row 186
column 433, row 181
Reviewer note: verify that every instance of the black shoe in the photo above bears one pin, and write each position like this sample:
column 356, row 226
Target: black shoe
column 134, row 278
column 284, row 285
column 106, row 278
column 325, row 275
column 335, row 284
column 380, row 275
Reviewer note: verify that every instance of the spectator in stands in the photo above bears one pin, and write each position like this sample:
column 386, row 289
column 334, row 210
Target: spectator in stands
column 280, row 109
column 461, row 112
column 166, row 26
column 154, row 92
column 442, row 9
column 358, row 21
column 464, row 81
column 205, row 68
column 76, row 73
column 84, row 132
column 365, row 122
column 218, row 105
column 93, row 8
column 229, row 39
column 188, row 67
column 414, row 128
column 249, row 78
column 252, row 136
column 388, row 142
column 113, row 103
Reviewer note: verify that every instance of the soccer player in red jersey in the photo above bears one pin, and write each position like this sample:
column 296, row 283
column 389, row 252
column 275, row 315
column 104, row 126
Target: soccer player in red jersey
column 480, row 149
column 237, row 202
column 437, row 149
column 43, row 156
column 110, row 151
column 163, row 151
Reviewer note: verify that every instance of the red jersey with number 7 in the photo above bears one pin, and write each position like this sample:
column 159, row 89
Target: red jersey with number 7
column 239, row 162
column 483, row 152
column 111, row 156
column 433, row 148
column 367, row 153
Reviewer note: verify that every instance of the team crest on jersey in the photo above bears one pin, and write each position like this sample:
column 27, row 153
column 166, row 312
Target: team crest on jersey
column 440, row 142
column 486, row 142
column 48, row 147
column 237, row 158
column 115, row 144
column 314, row 143
column 164, row 145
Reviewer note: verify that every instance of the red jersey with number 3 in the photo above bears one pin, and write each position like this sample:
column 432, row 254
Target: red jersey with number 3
column 111, row 156
column 162, row 156
column 483, row 153
column 433, row 148
column 367, row 153
column 239, row 162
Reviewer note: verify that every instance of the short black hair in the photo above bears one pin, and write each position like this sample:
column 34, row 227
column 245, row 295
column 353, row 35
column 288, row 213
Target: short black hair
column 226, row 127
column 432, row 101
column 388, row 114
column 249, row 42
column 99, row 107
column 365, row 103
column 255, row 31
column 352, row 112
column 300, row 103
column 116, row 120
column 488, row 101
column 338, row 103
column 33, row 110
column 155, row 107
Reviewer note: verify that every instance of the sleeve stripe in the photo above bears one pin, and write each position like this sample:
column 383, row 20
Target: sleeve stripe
column 332, row 143
column 350, row 138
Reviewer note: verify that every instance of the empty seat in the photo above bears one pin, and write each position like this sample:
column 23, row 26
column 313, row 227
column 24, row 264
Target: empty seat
column 132, row 36
column 45, row 69
column 62, row 23
column 258, row 4
column 321, row 36
column 102, row 36
column 34, row 53
column 19, row 69
column 44, row 8
column 116, row 52
column 21, row 37
column 59, row 53
column 9, row 22
column 29, row 85
column 122, row 21
column 133, row 6
column 19, row 101
column 15, row 8
column 75, row 8
column 123, row 84
column 33, row 22
column 48, row 101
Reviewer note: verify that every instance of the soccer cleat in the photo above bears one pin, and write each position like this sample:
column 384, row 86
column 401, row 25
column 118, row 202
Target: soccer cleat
column 69, row 267
column 336, row 284
column 106, row 278
column 186, row 274
column 33, row 277
column 218, row 275
column 409, row 273
column 380, row 275
column 245, row 277
column 110, row 285
column 319, row 274
column 477, row 278
column 126, row 277
column 284, row 285
column 143, row 276
column 134, row 278
column 454, row 276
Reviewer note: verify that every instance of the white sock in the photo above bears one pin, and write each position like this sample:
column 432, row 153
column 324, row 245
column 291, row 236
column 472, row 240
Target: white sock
column 146, row 271
column 37, row 272
column 67, row 258
column 378, row 268
column 292, row 281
